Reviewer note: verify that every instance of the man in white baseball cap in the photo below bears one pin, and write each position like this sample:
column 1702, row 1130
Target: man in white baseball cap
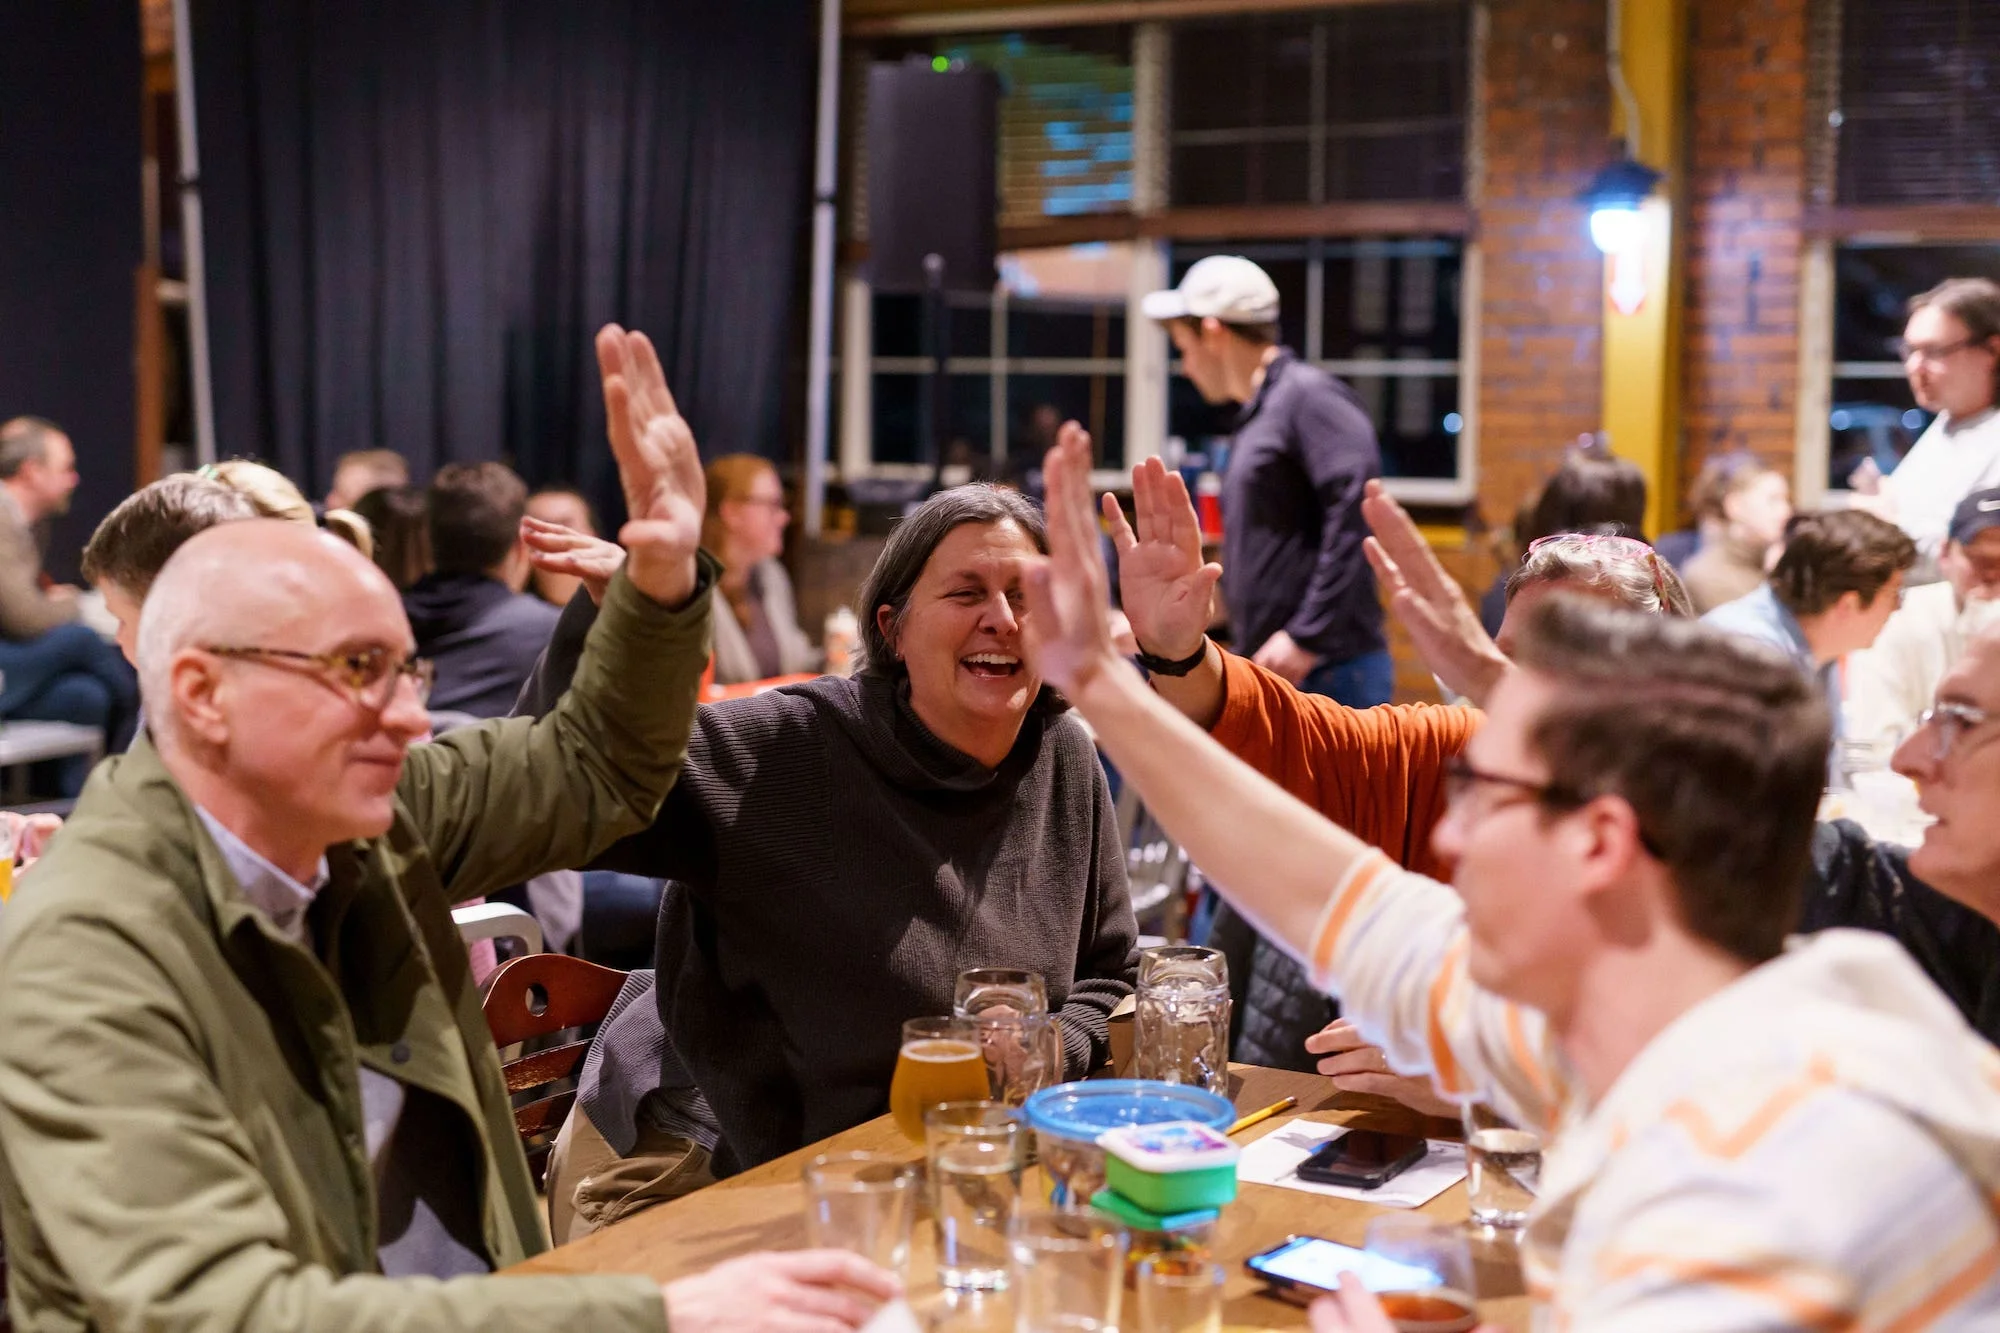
column 1301, row 597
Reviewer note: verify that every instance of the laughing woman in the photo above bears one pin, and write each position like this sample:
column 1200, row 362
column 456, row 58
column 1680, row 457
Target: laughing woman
column 837, row 852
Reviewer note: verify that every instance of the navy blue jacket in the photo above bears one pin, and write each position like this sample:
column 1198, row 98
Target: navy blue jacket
column 1291, row 508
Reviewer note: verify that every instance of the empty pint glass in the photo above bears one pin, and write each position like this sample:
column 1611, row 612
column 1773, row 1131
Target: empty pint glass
column 1181, row 1027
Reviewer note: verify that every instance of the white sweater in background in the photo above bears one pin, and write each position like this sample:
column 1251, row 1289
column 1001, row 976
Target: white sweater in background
column 1815, row 1146
column 1949, row 461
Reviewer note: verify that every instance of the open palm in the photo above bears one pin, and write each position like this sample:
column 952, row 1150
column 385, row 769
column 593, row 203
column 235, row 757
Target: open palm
column 1168, row 592
column 658, row 465
column 1066, row 631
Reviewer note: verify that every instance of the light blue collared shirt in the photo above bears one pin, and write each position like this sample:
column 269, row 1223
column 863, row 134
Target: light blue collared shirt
column 270, row 890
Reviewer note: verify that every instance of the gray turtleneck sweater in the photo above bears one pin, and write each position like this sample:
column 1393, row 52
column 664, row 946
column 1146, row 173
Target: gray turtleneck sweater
column 833, row 866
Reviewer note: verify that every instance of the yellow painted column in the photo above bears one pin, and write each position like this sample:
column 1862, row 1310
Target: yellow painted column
column 1642, row 287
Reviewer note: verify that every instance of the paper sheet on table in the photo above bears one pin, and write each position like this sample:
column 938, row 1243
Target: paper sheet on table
column 1274, row 1160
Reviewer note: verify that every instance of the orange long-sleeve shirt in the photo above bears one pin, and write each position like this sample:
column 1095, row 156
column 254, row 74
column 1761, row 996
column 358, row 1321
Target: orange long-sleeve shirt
column 1376, row 772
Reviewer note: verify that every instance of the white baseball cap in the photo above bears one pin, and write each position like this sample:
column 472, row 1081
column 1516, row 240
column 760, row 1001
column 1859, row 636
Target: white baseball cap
column 1225, row 287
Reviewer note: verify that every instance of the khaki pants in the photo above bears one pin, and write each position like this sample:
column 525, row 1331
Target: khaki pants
column 591, row 1186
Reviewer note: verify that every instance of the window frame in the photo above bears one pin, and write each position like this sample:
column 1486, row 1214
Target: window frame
column 1153, row 229
column 1829, row 225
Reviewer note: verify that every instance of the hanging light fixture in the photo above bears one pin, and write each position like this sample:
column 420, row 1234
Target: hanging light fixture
column 1616, row 192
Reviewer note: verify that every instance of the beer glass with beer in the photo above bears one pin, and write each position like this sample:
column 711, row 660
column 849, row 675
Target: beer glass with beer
column 940, row 1061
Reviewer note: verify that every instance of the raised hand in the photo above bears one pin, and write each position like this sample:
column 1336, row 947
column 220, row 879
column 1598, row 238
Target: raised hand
column 1167, row 591
column 1429, row 601
column 555, row 549
column 1066, row 632
column 658, row 465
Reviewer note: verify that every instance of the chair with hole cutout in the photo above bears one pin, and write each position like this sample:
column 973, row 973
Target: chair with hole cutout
column 534, row 996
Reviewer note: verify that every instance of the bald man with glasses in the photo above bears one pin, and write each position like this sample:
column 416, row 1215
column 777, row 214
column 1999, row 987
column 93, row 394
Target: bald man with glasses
column 244, row 1077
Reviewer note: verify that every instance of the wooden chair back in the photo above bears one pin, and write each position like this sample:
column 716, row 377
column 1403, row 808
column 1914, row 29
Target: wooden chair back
column 533, row 996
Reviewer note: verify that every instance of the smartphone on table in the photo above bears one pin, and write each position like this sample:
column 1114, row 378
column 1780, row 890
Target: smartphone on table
column 1363, row 1159
column 1307, row 1266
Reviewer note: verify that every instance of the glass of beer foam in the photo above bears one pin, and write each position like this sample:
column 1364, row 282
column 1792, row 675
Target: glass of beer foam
column 940, row 1061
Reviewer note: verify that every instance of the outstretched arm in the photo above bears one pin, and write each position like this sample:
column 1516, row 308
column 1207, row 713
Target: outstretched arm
column 597, row 766
column 1390, row 943
column 1277, row 858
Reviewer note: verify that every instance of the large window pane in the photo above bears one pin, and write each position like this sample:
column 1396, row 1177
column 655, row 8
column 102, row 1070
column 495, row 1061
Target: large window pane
column 1377, row 91
column 1257, row 171
column 1389, row 325
column 1074, row 330
column 1038, row 404
column 1871, row 418
column 899, row 325
column 1242, row 73
column 1872, row 412
column 900, row 405
column 1876, row 282
column 1391, row 299
column 1919, row 115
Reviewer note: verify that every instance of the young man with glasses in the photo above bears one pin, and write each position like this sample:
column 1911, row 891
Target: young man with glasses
column 1951, row 353
column 1744, row 1136
column 245, row 1081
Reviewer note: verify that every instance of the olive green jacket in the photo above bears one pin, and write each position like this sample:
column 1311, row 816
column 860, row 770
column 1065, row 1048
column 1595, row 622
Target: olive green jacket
column 180, row 1109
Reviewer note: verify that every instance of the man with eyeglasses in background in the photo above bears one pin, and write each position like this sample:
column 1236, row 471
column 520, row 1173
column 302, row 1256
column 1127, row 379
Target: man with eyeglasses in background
column 245, row 1081
column 1951, row 353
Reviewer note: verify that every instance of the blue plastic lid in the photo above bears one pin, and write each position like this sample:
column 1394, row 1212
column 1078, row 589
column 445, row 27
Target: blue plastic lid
column 1085, row 1110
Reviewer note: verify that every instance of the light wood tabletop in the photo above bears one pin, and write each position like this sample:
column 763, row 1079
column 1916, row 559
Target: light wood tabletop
column 762, row 1209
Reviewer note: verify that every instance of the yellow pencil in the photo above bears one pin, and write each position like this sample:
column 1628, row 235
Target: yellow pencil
column 1259, row 1117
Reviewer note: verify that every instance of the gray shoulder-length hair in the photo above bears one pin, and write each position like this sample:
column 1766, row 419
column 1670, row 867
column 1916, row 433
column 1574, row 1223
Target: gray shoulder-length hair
column 910, row 548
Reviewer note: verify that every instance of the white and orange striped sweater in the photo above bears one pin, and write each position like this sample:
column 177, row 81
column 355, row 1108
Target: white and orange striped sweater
column 1815, row 1147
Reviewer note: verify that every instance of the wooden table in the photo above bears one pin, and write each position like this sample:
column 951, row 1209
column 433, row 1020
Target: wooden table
column 762, row 1209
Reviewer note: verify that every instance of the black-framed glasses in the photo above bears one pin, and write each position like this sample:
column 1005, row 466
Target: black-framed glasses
column 1461, row 777
column 371, row 675
column 1949, row 721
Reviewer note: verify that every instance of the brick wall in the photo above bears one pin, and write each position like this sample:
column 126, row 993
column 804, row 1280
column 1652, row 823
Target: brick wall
column 1547, row 117
column 1746, row 196
column 1547, row 113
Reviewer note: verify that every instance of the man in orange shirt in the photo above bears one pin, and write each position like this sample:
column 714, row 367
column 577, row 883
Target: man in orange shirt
column 1378, row 772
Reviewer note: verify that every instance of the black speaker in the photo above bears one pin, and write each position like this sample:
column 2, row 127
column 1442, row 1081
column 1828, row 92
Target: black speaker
column 932, row 149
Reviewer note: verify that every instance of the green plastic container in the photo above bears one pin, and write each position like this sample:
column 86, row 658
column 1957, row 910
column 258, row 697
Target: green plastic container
column 1181, row 1166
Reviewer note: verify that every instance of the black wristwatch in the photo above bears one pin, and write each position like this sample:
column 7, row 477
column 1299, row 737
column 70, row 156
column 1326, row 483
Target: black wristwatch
column 1164, row 666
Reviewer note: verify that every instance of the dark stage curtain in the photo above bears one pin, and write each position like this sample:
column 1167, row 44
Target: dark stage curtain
column 71, row 237
column 419, row 213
